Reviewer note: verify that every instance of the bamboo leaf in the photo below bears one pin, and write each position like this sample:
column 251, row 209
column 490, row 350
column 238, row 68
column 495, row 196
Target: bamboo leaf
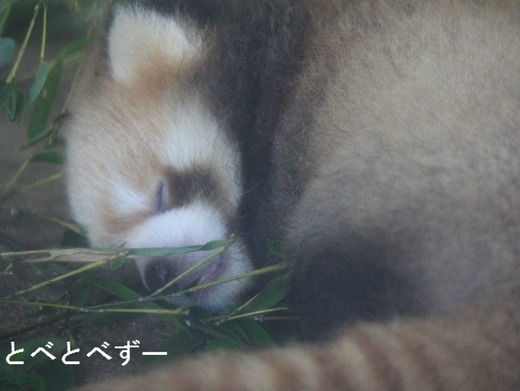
column 256, row 334
column 47, row 132
column 271, row 295
column 44, row 102
column 120, row 291
column 39, row 81
column 7, row 49
column 182, row 342
column 5, row 4
column 17, row 103
column 73, row 48
column 128, row 295
column 54, row 157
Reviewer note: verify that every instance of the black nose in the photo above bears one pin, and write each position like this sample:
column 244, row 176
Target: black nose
column 158, row 273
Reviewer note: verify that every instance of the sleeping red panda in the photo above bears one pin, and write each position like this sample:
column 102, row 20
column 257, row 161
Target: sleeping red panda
column 378, row 140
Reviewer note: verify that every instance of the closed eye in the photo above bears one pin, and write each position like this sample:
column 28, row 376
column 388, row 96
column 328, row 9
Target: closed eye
column 161, row 197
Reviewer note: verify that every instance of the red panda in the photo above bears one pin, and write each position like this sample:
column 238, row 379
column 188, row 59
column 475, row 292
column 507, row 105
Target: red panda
column 378, row 140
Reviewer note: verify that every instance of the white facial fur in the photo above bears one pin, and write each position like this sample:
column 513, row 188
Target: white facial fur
column 196, row 223
column 133, row 122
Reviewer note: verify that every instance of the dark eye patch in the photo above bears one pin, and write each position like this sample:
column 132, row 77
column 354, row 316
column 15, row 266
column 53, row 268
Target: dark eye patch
column 181, row 187
column 161, row 197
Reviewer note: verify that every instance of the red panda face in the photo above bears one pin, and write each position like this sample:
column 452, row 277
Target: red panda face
column 149, row 165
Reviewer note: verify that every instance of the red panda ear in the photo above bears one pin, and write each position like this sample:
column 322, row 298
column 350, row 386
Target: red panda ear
column 140, row 40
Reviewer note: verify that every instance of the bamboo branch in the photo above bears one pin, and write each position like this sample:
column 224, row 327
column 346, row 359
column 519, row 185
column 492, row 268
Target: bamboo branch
column 66, row 255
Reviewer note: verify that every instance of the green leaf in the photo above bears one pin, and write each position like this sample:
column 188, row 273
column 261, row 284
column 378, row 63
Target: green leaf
column 60, row 118
column 54, row 157
column 215, row 244
column 7, row 49
column 4, row 92
column 21, row 380
column 272, row 293
column 256, row 334
column 128, row 294
column 48, row 131
column 4, row 4
column 39, row 372
column 233, row 328
column 117, row 263
column 43, row 104
column 276, row 247
column 56, row 375
column 39, row 81
column 17, row 103
column 79, row 293
column 225, row 343
column 120, row 291
column 283, row 331
column 162, row 251
column 182, row 342
column 94, row 318
column 5, row 95
column 73, row 48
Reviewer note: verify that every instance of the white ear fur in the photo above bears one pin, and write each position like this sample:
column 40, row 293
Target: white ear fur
column 141, row 38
